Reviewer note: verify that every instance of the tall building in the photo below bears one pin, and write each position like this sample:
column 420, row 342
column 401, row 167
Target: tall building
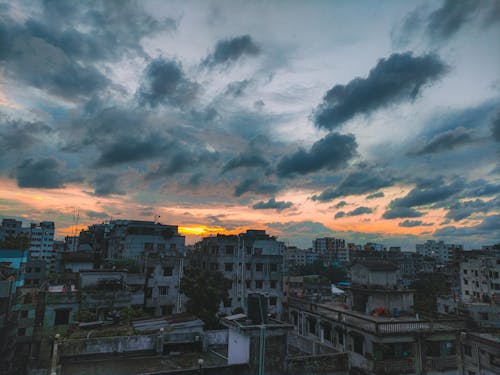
column 130, row 239
column 42, row 243
column 443, row 252
column 330, row 249
column 253, row 261
column 480, row 280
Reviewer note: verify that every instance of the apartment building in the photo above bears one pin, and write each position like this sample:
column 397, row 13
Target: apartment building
column 443, row 252
column 42, row 243
column 253, row 261
column 330, row 250
column 480, row 279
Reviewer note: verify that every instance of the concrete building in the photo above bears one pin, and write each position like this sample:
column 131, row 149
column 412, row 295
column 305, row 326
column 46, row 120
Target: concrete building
column 376, row 288
column 443, row 252
column 42, row 243
column 131, row 239
column 480, row 279
column 12, row 228
column 479, row 354
column 330, row 250
column 8, row 322
column 253, row 261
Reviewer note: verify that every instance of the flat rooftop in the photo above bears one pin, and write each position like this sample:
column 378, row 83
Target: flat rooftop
column 138, row 365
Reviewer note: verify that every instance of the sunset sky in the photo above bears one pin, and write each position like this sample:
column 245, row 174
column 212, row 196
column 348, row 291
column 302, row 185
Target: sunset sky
column 366, row 120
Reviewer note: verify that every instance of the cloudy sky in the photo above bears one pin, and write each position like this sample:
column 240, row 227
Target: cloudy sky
column 371, row 121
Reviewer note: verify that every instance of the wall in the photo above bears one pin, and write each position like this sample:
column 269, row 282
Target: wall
column 107, row 345
column 319, row 364
column 238, row 348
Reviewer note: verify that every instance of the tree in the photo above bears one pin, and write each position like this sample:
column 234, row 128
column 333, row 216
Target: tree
column 333, row 273
column 427, row 289
column 205, row 290
column 19, row 242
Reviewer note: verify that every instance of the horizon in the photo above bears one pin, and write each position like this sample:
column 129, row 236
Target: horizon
column 362, row 121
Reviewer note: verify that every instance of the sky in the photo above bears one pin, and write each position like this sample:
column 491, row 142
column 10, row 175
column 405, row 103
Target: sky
column 369, row 120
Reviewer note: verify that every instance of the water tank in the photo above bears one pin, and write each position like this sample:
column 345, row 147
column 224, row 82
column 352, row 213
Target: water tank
column 257, row 308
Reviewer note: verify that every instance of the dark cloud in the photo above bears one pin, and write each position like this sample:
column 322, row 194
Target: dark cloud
column 481, row 188
column 331, row 152
column 360, row 211
column 395, row 79
column 127, row 149
column 96, row 215
column 339, row 214
column 230, row 50
column 414, row 223
column 340, row 204
column 21, row 135
column 246, row 160
column 406, row 30
column 495, row 127
column 461, row 210
column 108, row 183
column 380, row 194
column 449, row 19
column 445, row 141
column 361, row 181
column 165, row 83
column 237, row 88
column 182, row 159
column 490, row 226
column 272, row 204
column 427, row 194
column 45, row 173
column 401, row 212
column 256, row 186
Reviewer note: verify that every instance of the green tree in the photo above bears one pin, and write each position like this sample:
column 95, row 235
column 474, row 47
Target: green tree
column 334, row 274
column 427, row 288
column 205, row 290
column 19, row 242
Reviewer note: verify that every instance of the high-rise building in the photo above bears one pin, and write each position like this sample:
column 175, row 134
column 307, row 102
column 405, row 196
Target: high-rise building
column 42, row 243
column 253, row 261
column 443, row 252
column 330, row 249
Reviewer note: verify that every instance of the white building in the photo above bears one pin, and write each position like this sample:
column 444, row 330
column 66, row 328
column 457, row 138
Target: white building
column 445, row 253
column 330, row 249
column 480, row 280
column 42, row 243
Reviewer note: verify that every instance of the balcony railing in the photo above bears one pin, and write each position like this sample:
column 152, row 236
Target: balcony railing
column 441, row 363
column 375, row 325
column 394, row 366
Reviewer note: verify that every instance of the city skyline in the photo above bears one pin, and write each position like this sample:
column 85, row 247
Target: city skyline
column 369, row 122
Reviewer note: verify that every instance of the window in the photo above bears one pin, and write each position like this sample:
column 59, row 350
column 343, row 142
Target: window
column 272, row 301
column 465, row 271
column 173, row 246
column 248, row 266
column 28, row 269
column 247, row 282
column 227, row 303
column 274, row 267
column 466, row 282
column 21, row 331
column 274, row 283
column 163, row 290
column 167, row 271
column 161, row 246
column 468, row 350
column 358, row 344
column 23, row 314
column 37, row 269
column 213, row 266
column 483, row 316
column 62, row 317
column 228, row 267
column 259, row 267
column 148, row 246
column 258, row 284
column 446, row 308
column 229, row 250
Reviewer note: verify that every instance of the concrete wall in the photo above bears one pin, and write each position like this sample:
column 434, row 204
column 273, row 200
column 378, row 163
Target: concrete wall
column 219, row 337
column 334, row 364
column 108, row 345
column 238, row 349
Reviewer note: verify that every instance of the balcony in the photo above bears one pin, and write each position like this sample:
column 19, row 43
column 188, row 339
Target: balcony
column 441, row 363
column 394, row 366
